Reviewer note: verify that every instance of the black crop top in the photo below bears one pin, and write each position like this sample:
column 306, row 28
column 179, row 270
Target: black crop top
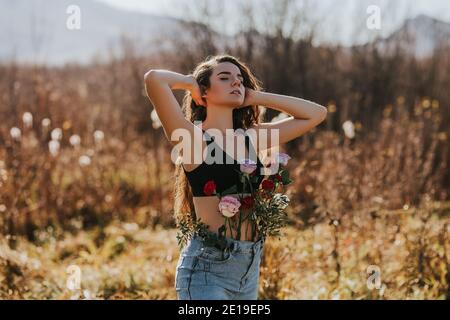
column 225, row 174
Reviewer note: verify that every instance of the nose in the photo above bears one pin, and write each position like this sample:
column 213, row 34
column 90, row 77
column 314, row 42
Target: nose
column 236, row 81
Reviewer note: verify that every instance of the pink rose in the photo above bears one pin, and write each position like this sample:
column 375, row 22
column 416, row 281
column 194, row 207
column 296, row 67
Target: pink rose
column 247, row 166
column 229, row 206
column 283, row 158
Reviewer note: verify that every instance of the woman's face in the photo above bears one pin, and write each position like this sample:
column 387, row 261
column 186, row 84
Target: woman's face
column 226, row 86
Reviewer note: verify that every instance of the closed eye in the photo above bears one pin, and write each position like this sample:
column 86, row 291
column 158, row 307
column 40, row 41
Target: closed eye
column 240, row 84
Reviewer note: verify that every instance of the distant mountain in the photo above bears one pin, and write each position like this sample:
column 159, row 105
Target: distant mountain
column 420, row 36
column 35, row 30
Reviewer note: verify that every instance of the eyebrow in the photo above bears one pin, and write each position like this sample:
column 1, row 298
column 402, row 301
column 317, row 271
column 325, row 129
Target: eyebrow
column 227, row 72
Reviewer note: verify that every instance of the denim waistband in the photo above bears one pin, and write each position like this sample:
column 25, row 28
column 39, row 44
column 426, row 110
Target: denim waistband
column 239, row 245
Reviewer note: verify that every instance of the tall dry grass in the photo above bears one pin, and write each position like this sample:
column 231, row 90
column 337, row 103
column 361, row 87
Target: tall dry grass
column 86, row 177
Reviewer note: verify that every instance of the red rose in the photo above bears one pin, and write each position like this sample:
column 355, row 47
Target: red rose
column 247, row 202
column 209, row 188
column 277, row 177
column 268, row 185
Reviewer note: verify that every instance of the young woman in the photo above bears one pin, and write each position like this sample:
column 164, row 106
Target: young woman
column 222, row 97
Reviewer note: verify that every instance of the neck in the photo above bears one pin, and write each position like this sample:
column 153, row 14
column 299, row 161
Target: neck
column 218, row 117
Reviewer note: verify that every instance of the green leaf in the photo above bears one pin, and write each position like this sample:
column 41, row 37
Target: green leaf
column 230, row 190
column 285, row 177
column 284, row 174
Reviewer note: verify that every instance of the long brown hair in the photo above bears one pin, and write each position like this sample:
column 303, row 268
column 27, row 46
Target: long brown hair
column 243, row 118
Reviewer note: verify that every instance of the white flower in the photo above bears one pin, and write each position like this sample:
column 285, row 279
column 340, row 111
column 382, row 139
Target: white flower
column 75, row 140
column 15, row 133
column 27, row 119
column 84, row 160
column 156, row 123
column 98, row 136
column 53, row 147
column 349, row 129
column 56, row 134
column 46, row 122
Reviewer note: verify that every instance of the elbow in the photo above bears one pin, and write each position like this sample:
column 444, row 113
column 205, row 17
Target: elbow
column 323, row 113
column 149, row 76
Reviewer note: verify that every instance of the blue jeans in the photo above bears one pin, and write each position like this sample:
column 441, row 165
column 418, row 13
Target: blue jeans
column 208, row 273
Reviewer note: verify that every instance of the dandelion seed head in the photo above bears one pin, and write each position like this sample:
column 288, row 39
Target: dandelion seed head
column 349, row 129
column 56, row 134
column 46, row 122
column 98, row 136
column 75, row 140
column 84, row 160
column 15, row 133
column 53, row 147
column 27, row 119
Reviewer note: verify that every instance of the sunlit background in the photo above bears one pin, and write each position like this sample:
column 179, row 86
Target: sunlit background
column 86, row 178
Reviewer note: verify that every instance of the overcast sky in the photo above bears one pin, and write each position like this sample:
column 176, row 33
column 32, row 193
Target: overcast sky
column 340, row 20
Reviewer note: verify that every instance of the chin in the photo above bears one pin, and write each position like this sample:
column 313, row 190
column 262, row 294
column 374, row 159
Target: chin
column 235, row 103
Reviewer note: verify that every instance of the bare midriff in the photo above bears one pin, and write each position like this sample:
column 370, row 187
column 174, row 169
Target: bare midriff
column 207, row 209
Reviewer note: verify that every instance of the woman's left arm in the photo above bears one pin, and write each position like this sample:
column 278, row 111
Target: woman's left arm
column 304, row 115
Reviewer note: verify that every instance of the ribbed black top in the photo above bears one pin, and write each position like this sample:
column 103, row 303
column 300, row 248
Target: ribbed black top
column 224, row 174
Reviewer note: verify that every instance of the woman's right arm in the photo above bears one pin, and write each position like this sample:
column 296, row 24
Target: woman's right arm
column 159, row 85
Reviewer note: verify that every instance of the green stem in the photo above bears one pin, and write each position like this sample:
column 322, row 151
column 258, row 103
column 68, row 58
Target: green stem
column 231, row 228
column 252, row 222
column 250, row 184
column 240, row 216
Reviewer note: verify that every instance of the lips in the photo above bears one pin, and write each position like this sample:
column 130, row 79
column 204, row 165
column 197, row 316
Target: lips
column 235, row 92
